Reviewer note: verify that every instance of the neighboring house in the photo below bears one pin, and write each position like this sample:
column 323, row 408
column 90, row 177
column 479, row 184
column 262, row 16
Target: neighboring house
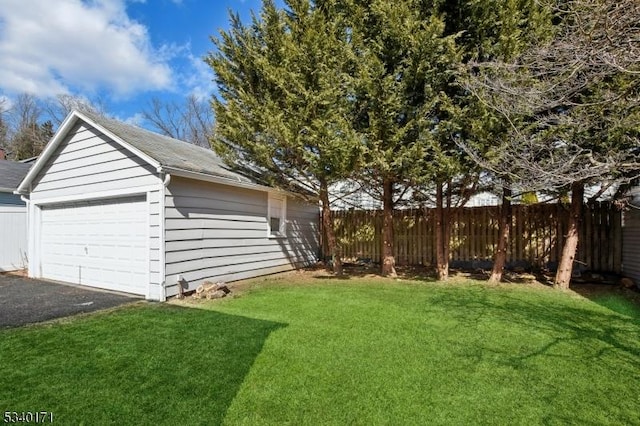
column 118, row 207
column 13, row 217
column 348, row 194
column 631, row 238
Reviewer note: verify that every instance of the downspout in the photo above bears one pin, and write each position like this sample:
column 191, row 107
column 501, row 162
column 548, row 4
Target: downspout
column 162, row 226
column 30, row 232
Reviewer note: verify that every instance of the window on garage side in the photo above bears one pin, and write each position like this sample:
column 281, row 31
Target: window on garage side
column 277, row 218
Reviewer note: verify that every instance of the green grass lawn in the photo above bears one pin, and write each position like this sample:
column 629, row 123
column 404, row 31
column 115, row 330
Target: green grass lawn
column 336, row 352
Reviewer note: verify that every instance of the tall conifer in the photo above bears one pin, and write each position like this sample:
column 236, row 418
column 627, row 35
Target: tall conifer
column 283, row 105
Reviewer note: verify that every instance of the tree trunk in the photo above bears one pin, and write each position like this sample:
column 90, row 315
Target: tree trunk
column 442, row 258
column 565, row 268
column 446, row 240
column 504, row 228
column 327, row 224
column 388, row 260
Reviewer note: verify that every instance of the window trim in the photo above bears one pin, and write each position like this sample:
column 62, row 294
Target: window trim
column 282, row 232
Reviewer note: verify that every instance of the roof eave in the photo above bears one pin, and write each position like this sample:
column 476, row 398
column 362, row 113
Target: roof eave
column 68, row 122
column 222, row 180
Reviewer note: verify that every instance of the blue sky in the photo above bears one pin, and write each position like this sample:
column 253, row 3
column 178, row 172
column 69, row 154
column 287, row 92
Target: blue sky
column 122, row 51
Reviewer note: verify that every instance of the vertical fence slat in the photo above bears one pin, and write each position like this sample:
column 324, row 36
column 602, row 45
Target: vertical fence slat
column 603, row 239
column 617, row 238
column 537, row 235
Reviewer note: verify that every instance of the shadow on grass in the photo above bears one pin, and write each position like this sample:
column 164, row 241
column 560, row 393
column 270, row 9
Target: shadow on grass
column 553, row 338
column 571, row 322
column 616, row 298
column 597, row 331
column 150, row 364
column 356, row 270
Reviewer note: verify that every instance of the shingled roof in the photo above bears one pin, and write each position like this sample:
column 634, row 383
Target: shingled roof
column 169, row 152
column 166, row 154
column 11, row 174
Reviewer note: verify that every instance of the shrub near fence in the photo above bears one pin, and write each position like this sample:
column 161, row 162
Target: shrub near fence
column 536, row 239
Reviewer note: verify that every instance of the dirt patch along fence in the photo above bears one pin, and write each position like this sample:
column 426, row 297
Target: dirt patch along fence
column 536, row 238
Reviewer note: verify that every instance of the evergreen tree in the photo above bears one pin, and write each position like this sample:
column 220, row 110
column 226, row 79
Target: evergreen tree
column 285, row 83
column 490, row 30
column 404, row 65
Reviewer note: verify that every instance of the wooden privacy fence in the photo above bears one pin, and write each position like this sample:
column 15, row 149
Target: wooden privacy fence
column 536, row 239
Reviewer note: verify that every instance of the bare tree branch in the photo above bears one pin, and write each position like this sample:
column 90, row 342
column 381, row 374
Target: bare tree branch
column 191, row 121
column 572, row 105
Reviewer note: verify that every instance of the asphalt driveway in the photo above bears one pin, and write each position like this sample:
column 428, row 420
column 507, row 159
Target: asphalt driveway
column 26, row 301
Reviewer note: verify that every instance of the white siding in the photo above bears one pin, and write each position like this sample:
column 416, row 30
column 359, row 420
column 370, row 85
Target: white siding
column 631, row 243
column 13, row 233
column 219, row 233
column 87, row 163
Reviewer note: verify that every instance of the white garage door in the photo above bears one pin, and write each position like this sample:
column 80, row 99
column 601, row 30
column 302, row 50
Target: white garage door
column 100, row 243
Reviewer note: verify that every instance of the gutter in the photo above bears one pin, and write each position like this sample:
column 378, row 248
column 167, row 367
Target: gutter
column 30, row 236
column 222, row 180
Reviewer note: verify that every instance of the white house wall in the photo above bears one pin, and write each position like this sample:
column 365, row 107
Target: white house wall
column 219, row 233
column 89, row 162
column 13, row 232
column 88, row 165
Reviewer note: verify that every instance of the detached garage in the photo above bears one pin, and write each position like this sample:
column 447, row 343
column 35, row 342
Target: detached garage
column 121, row 208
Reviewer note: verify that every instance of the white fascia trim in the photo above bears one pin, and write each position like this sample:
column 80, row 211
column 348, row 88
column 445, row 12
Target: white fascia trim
column 12, row 208
column 48, row 151
column 121, row 142
column 115, row 193
column 60, row 135
column 224, row 181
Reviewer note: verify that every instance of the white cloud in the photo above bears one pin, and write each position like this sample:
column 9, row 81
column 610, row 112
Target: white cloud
column 49, row 48
column 136, row 119
column 198, row 79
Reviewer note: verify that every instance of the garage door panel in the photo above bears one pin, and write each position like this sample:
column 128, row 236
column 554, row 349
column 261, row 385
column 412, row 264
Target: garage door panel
column 115, row 263
column 101, row 243
column 111, row 279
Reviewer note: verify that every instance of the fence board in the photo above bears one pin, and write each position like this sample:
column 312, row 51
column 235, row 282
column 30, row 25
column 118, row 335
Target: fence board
column 536, row 238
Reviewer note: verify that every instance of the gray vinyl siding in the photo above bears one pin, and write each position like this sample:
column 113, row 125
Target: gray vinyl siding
column 219, row 233
column 631, row 242
column 88, row 161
